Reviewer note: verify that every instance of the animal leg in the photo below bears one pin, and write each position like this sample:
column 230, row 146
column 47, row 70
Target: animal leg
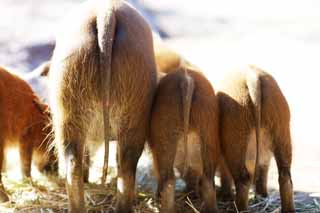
column 129, row 149
column 283, row 155
column 3, row 194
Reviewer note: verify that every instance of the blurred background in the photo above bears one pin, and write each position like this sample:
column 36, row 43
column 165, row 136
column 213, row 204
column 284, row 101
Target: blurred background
column 282, row 37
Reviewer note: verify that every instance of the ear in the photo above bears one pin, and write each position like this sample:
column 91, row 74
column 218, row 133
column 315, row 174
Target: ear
column 45, row 68
column 43, row 108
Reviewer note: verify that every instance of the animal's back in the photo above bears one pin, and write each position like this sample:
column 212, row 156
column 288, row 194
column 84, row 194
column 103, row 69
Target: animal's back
column 133, row 64
column 235, row 102
column 274, row 107
column 168, row 96
column 75, row 65
column 102, row 74
column 204, row 102
column 15, row 104
column 167, row 60
column 252, row 106
column 238, row 113
column 273, row 102
column 203, row 120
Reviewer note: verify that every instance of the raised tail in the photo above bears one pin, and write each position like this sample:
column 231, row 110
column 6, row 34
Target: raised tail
column 106, row 25
column 254, row 87
column 186, row 88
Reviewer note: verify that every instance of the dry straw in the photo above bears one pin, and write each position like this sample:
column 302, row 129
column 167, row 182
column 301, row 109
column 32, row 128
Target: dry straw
column 47, row 194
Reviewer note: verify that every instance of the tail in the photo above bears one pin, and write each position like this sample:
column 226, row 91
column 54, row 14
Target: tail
column 187, row 88
column 106, row 25
column 254, row 87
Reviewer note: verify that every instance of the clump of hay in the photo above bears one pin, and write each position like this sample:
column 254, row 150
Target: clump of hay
column 48, row 194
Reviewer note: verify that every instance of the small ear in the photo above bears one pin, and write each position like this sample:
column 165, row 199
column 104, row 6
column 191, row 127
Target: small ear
column 43, row 108
column 45, row 68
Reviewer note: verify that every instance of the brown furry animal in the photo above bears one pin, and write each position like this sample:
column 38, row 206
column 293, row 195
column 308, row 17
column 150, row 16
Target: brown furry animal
column 23, row 118
column 102, row 82
column 168, row 60
column 185, row 107
column 254, row 115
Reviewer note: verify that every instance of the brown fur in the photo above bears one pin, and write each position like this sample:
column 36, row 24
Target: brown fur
column 168, row 60
column 254, row 115
column 23, row 119
column 114, row 41
column 173, row 119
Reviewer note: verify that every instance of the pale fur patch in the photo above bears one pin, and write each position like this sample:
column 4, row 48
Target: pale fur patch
column 265, row 153
column 193, row 157
column 120, row 185
column 69, row 175
column 265, row 147
column 251, row 152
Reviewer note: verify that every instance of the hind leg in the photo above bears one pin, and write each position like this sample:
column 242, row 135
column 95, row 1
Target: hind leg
column 194, row 168
column 265, row 155
column 242, row 171
column 242, row 183
column 192, row 179
column 25, row 150
column 261, row 181
column 3, row 194
column 226, row 193
column 105, row 163
column 283, row 156
column 129, row 149
column 240, row 167
column 209, row 150
column 74, row 173
column 71, row 147
column 86, row 166
column 163, row 151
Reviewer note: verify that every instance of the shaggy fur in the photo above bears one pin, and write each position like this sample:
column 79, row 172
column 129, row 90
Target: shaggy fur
column 102, row 82
column 254, row 115
column 185, row 107
column 23, row 120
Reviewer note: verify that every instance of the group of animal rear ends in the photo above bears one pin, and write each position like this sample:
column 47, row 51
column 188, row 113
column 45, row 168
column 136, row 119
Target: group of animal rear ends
column 108, row 80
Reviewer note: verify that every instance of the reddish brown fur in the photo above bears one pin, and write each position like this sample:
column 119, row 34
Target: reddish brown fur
column 166, row 61
column 23, row 119
column 238, row 123
column 167, row 128
column 103, row 40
